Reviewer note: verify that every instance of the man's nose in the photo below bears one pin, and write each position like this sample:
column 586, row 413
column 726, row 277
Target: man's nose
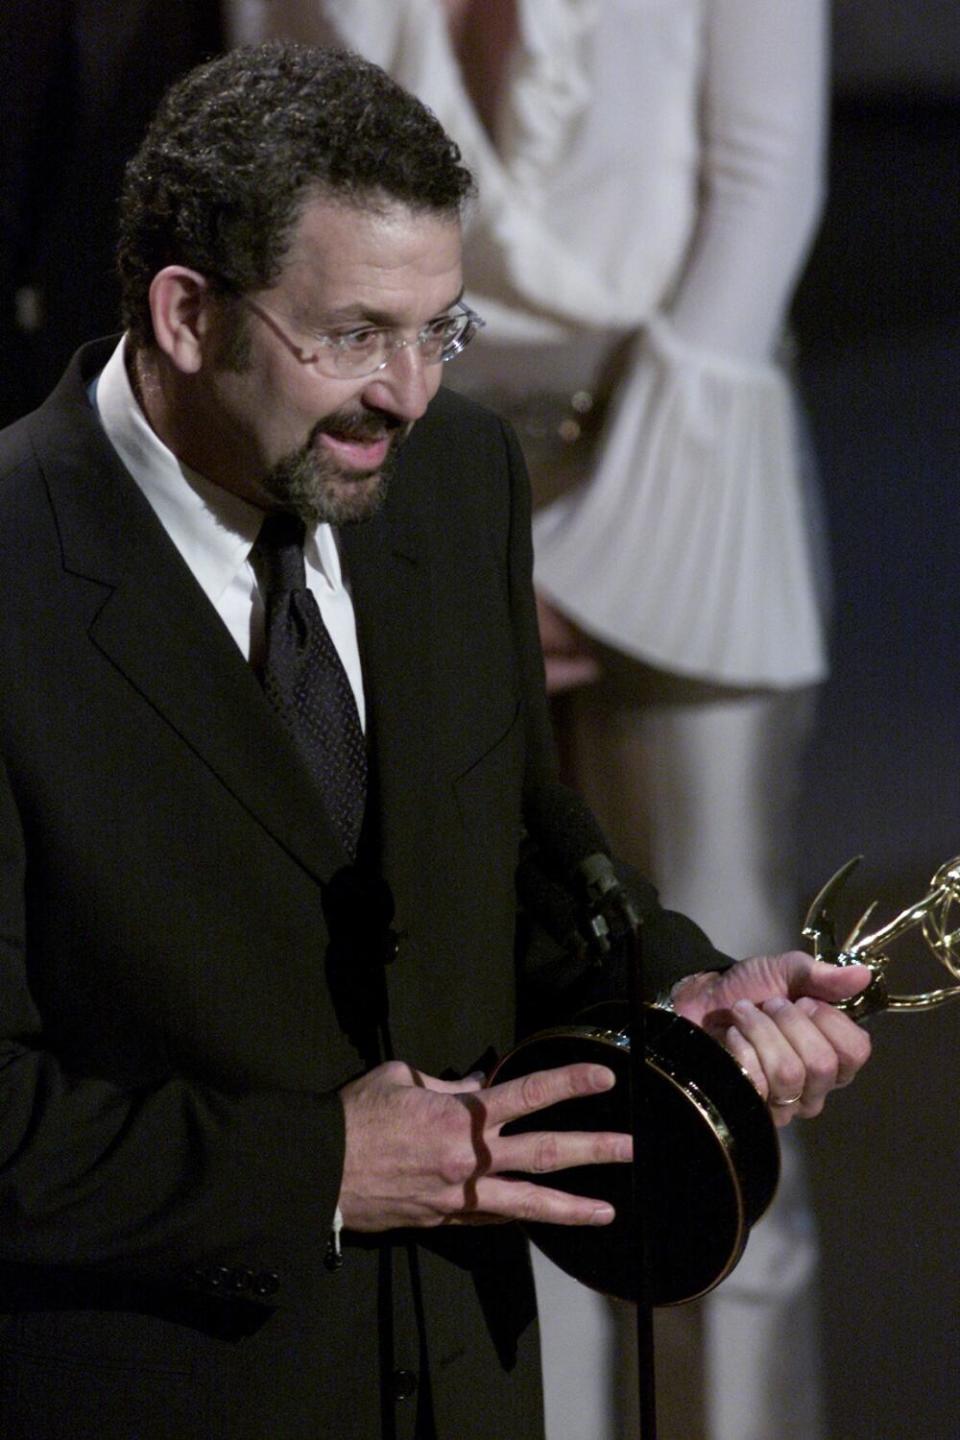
column 406, row 384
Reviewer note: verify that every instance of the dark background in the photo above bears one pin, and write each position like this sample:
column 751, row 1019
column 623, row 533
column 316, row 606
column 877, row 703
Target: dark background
column 876, row 321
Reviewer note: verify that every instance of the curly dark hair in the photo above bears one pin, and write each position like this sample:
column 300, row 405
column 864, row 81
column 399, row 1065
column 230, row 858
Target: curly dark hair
column 241, row 144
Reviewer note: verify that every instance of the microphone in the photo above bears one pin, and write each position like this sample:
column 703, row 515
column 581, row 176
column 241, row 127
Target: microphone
column 573, row 845
column 550, row 903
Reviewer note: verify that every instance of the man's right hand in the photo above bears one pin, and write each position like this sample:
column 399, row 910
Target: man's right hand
column 425, row 1152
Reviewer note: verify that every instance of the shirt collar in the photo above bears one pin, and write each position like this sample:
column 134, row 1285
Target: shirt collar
column 212, row 528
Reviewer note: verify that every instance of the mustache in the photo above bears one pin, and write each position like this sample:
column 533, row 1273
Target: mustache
column 359, row 425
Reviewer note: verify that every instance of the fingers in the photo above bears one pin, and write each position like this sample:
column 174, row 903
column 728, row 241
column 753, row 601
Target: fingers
column 849, row 1040
column 795, row 1053
column 700, row 998
column 543, row 1152
column 422, row 1151
column 833, row 982
column 746, row 1057
column 503, row 1196
column 550, row 1150
column 498, row 1198
column 537, row 1091
column 468, row 1085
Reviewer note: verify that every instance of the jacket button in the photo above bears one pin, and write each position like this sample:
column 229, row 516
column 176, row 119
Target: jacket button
column 404, row 1384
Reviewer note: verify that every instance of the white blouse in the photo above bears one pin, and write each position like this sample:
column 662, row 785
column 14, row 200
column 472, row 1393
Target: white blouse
column 655, row 170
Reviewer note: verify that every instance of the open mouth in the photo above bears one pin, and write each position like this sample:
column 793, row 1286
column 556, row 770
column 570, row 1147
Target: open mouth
column 359, row 441
column 359, row 453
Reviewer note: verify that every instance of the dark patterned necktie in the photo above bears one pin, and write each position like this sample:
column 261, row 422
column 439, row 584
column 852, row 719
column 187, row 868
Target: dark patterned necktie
column 304, row 679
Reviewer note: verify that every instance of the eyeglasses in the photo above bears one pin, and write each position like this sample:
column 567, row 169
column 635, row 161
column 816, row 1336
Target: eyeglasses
column 351, row 354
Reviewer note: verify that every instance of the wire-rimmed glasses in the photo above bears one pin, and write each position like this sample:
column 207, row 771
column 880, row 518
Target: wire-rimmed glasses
column 365, row 349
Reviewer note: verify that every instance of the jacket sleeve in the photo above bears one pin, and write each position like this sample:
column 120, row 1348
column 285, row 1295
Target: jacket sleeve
column 562, row 976
column 554, row 981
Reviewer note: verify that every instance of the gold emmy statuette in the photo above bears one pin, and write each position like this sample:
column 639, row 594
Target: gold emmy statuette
column 937, row 916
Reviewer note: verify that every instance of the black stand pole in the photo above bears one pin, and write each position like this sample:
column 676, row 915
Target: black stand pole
column 613, row 913
column 639, row 1099
column 575, row 849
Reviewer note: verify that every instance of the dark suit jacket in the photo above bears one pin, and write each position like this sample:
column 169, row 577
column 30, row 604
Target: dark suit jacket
column 171, row 1029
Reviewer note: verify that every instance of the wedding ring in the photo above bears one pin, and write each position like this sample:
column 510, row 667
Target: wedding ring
column 791, row 1100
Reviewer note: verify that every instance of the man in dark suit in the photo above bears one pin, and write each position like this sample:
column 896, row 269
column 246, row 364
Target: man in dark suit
column 264, row 770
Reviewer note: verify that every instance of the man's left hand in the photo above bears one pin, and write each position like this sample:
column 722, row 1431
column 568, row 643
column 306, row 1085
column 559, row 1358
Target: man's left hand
column 776, row 1015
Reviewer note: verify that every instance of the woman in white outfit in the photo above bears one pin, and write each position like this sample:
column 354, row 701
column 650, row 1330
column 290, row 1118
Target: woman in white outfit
column 649, row 180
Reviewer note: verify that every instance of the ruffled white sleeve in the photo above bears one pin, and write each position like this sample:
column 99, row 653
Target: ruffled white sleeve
column 689, row 547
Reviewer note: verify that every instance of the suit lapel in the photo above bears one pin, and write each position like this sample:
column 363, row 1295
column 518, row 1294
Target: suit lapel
column 158, row 628
column 173, row 648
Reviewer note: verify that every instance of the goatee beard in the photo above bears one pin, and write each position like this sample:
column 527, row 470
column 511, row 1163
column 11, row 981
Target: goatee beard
column 310, row 484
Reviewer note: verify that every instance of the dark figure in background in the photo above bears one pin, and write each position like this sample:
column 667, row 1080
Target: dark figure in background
column 199, row 1115
column 79, row 81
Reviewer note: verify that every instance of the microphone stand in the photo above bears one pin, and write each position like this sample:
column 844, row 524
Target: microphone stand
column 639, row 1102
column 574, row 845
column 612, row 910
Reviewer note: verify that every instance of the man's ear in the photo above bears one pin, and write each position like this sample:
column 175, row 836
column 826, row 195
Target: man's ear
column 179, row 308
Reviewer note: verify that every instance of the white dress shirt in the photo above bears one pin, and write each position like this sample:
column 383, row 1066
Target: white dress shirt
column 215, row 530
